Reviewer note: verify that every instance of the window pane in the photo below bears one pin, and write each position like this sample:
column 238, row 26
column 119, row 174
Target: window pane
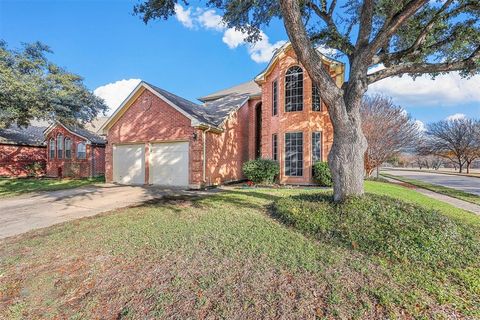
column 294, row 154
column 274, row 147
column 316, row 102
column 68, row 148
column 60, row 146
column 52, row 149
column 274, row 97
column 294, row 89
column 81, row 151
column 316, row 146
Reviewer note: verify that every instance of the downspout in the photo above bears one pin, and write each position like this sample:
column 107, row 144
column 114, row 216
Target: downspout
column 205, row 154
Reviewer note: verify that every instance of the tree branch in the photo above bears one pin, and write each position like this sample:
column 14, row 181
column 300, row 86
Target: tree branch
column 469, row 63
column 365, row 29
column 344, row 43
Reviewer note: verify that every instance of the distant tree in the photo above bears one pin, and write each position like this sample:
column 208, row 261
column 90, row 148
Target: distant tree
column 455, row 140
column 398, row 37
column 388, row 130
column 31, row 87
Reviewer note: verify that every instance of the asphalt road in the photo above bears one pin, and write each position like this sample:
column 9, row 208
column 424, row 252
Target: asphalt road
column 467, row 184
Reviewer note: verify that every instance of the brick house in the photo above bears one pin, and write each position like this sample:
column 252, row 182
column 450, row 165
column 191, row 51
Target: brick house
column 21, row 147
column 74, row 152
column 156, row 137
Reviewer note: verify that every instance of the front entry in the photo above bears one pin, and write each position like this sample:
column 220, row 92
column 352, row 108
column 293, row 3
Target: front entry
column 258, row 130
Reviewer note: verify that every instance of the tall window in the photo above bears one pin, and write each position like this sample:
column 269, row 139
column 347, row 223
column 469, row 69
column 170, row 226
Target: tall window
column 294, row 154
column 68, row 148
column 81, row 150
column 294, row 89
column 316, row 146
column 52, row 148
column 316, row 102
column 60, row 146
column 275, row 147
column 275, row 97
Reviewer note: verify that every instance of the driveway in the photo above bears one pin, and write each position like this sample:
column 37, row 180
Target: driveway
column 467, row 184
column 37, row 210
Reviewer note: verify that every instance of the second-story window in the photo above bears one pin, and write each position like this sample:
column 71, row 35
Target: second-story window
column 52, row 148
column 316, row 102
column 275, row 97
column 60, row 146
column 68, row 148
column 294, row 89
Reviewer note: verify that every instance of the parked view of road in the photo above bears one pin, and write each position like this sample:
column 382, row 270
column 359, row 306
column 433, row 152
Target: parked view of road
column 467, row 184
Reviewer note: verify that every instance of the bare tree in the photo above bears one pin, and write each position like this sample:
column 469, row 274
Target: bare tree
column 388, row 130
column 455, row 140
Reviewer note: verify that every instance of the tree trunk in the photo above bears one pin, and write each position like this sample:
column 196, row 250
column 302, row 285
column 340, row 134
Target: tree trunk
column 346, row 160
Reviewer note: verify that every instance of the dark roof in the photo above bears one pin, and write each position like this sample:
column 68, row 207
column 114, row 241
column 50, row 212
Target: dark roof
column 250, row 88
column 220, row 109
column 92, row 136
column 29, row 136
column 212, row 113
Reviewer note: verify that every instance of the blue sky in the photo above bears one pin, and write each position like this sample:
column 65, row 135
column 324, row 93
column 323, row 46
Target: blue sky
column 189, row 54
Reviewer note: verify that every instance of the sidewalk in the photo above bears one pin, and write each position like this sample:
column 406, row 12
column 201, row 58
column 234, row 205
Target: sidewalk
column 450, row 200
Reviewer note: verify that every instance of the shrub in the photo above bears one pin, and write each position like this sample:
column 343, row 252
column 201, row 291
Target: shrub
column 35, row 169
column 322, row 174
column 261, row 170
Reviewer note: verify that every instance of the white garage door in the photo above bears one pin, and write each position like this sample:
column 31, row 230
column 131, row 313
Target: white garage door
column 169, row 164
column 129, row 164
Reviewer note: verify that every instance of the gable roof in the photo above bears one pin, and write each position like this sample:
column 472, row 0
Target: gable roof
column 210, row 114
column 338, row 66
column 249, row 88
column 79, row 131
column 29, row 136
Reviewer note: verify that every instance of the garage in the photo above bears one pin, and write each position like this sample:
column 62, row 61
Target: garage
column 169, row 164
column 129, row 164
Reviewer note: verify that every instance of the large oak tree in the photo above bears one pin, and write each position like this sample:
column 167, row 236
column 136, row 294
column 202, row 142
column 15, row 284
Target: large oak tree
column 402, row 36
column 32, row 87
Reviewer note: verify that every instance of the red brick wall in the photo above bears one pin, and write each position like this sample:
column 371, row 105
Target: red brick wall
column 75, row 168
column 306, row 121
column 150, row 119
column 13, row 159
column 227, row 151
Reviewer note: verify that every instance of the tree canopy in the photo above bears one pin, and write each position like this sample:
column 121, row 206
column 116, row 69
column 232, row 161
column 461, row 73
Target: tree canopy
column 32, row 87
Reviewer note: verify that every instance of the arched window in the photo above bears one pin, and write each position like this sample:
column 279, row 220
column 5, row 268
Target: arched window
column 60, row 146
column 68, row 148
column 81, row 150
column 52, row 148
column 294, row 89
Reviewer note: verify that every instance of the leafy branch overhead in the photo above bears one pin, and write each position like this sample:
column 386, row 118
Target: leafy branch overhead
column 31, row 87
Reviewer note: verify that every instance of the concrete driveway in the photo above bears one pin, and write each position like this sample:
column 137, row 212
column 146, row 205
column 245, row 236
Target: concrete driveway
column 467, row 184
column 37, row 210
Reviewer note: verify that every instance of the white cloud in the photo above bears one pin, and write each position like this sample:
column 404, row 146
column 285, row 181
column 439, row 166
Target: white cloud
column 114, row 93
column 420, row 125
column 184, row 16
column 456, row 116
column 261, row 51
column 210, row 20
column 445, row 90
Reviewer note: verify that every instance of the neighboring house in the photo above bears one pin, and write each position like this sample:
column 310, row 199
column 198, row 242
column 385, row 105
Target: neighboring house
column 156, row 137
column 75, row 152
column 21, row 147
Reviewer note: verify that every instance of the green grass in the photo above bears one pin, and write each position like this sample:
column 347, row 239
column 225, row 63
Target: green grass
column 226, row 256
column 455, row 193
column 13, row 187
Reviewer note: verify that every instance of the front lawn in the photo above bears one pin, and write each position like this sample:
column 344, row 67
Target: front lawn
column 455, row 193
column 13, row 187
column 229, row 256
